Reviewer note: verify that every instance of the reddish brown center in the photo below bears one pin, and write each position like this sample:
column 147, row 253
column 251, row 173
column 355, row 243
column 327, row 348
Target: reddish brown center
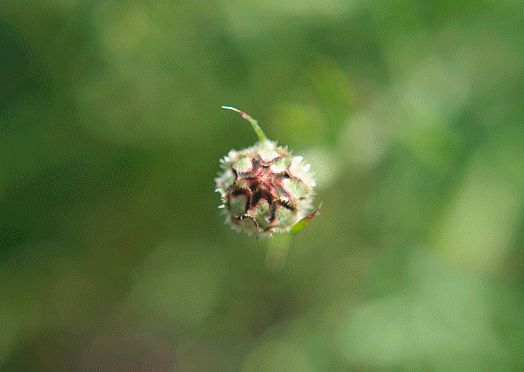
column 261, row 183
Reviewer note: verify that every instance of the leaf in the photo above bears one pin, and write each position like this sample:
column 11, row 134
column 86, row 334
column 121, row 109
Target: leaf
column 259, row 132
column 304, row 221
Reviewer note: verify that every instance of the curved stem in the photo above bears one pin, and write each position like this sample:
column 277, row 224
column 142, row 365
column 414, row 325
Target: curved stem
column 259, row 132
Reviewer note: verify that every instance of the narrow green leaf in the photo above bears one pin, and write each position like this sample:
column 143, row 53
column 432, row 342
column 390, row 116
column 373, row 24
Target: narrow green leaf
column 259, row 132
column 304, row 221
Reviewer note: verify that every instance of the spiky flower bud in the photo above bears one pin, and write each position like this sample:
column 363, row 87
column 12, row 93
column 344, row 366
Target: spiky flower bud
column 264, row 188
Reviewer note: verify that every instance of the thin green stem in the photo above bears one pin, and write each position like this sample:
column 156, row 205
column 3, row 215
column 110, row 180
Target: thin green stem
column 259, row 132
column 277, row 251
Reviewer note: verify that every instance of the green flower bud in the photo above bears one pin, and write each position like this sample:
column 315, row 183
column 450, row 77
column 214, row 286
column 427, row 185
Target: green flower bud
column 264, row 188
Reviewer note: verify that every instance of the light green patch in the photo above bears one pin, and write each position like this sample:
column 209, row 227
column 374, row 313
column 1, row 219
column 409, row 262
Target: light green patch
column 280, row 165
column 267, row 151
column 243, row 164
column 237, row 205
column 227, row 179
column 295, row 188
column 284, row 217
column 261, row 213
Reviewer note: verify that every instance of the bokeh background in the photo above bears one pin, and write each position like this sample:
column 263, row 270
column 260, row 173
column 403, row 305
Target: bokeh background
column 113, row 256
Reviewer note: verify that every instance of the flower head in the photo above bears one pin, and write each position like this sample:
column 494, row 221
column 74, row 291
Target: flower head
column 264, row 188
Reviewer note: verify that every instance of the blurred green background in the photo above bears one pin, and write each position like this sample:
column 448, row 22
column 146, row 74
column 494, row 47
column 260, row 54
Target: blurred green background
column 113, row 256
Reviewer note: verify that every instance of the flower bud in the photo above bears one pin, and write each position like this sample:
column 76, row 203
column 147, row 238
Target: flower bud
column 264, row 188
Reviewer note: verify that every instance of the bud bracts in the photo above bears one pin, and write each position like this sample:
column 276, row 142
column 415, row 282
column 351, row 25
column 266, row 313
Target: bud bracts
column 264, row 189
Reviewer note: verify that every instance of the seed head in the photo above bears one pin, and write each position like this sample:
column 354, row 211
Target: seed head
column 264, row 188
